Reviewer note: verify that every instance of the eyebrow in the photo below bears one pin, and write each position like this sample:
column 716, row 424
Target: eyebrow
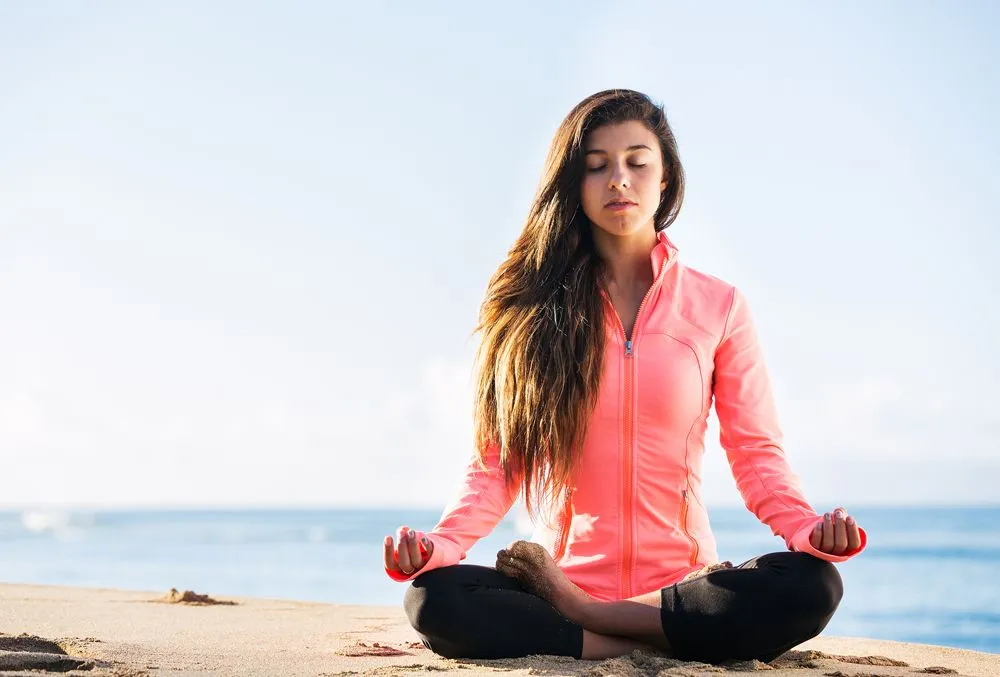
column 604, row 152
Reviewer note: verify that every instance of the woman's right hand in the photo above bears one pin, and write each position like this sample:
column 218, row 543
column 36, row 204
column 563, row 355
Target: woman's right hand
column 410, row 557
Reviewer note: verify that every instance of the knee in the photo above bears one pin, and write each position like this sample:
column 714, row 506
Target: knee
column 822, row 588
column 431, row 603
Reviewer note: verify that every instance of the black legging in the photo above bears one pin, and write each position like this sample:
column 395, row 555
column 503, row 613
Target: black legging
column 759, row 609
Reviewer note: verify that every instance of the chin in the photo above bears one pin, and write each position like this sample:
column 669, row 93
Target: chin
column 621, row 228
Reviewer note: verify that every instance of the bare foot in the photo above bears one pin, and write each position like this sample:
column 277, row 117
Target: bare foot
column 535, row 569
column 707, row 569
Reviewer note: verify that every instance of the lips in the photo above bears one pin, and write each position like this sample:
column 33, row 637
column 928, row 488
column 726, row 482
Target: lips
column 618, row 206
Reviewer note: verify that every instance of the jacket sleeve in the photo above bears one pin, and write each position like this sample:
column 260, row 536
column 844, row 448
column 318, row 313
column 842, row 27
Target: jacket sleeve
column 751, row 436
column 478, row 505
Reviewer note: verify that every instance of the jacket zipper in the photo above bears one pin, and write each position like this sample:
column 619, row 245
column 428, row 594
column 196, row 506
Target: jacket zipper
column 684, row 527
column 625, row 583
column 627, row 563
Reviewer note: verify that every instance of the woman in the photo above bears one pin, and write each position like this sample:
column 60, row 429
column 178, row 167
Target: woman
column 600, row 357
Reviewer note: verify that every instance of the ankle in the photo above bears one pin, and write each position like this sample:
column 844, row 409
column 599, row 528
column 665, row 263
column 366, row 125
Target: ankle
column 581, row 609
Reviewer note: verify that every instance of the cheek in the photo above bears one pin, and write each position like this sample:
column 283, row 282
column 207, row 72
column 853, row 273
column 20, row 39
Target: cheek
column 651, row 192
column 591, row 193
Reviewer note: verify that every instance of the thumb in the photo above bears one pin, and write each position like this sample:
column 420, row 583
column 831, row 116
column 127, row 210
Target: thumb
column 426, row 546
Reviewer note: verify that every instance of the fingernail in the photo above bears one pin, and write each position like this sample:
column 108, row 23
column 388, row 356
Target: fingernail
column 827, row 517
column 819, row 527
column 850, row 520
column 424, row 539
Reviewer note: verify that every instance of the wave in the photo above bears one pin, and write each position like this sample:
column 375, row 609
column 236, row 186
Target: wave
column 57, row 522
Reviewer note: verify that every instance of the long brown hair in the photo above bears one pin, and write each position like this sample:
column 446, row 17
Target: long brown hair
column 538, row 365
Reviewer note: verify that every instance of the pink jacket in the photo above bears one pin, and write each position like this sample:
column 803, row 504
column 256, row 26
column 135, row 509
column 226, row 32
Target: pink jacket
column 635, row 521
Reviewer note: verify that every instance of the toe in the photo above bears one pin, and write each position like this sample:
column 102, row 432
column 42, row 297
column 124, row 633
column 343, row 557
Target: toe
column 530, row 552
column 508, row 559
column 503, row 558
column 511, row 569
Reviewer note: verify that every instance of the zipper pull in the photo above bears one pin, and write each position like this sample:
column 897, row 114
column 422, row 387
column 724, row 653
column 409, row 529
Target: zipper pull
column 628, row 348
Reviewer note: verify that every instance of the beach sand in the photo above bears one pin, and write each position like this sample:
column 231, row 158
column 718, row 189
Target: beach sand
column 80, row 631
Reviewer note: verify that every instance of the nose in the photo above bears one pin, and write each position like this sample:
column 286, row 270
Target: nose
column 619, row 180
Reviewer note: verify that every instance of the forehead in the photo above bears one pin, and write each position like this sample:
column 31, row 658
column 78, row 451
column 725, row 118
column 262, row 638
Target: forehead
column 620, row 136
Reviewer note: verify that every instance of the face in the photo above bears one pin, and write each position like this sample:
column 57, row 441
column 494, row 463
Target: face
column 623, row 179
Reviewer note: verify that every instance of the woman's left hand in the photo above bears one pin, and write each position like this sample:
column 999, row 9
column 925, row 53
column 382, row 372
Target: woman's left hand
column 837, row 534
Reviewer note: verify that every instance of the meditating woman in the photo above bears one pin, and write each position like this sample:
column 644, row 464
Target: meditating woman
column 601, row 354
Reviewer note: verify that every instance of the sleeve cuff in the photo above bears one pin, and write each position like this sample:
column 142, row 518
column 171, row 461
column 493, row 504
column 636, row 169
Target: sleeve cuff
column 800, row 543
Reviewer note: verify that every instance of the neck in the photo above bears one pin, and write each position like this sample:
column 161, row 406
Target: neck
column 626, row 257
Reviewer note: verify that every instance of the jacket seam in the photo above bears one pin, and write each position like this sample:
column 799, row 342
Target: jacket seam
column 738, row 449
column 764, row 484
column 481, row 497
column 701, row 381
column 729, row 314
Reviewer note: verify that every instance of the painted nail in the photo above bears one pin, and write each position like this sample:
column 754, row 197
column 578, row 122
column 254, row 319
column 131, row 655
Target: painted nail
column 850, row 520
column 827, row 517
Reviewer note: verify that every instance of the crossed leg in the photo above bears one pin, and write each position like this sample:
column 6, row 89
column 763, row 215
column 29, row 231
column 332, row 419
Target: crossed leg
column 759, row 609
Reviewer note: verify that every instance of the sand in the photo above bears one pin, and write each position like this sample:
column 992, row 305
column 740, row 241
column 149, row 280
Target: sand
column 81, row 631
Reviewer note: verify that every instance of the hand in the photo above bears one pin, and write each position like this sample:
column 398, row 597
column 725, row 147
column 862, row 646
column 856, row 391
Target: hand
column 409, row 559
column 837, row 534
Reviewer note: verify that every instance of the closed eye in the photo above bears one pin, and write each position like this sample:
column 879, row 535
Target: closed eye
column 602, row 167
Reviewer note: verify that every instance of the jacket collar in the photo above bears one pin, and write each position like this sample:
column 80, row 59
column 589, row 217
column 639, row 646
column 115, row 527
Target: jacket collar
column 665, row 252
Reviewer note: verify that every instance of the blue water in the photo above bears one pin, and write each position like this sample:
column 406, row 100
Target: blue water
column 930, row 575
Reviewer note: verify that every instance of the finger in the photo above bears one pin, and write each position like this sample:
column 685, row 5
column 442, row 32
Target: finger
column 414, row 547
column 827, row 544
column 405, row 566
column 400, row 533
column 839, row 532
column 389, row 554
column 816, row 537
column 853, row 534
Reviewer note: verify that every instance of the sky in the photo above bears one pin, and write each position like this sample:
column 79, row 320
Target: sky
column 243, row 244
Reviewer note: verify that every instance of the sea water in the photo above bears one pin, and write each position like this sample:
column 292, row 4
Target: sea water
column 929, row 575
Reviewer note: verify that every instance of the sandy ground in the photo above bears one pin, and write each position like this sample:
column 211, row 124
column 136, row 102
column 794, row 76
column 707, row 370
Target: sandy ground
column 79, row 631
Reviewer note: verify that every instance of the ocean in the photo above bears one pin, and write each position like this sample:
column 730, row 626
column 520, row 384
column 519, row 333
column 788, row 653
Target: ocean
column 930, row 575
